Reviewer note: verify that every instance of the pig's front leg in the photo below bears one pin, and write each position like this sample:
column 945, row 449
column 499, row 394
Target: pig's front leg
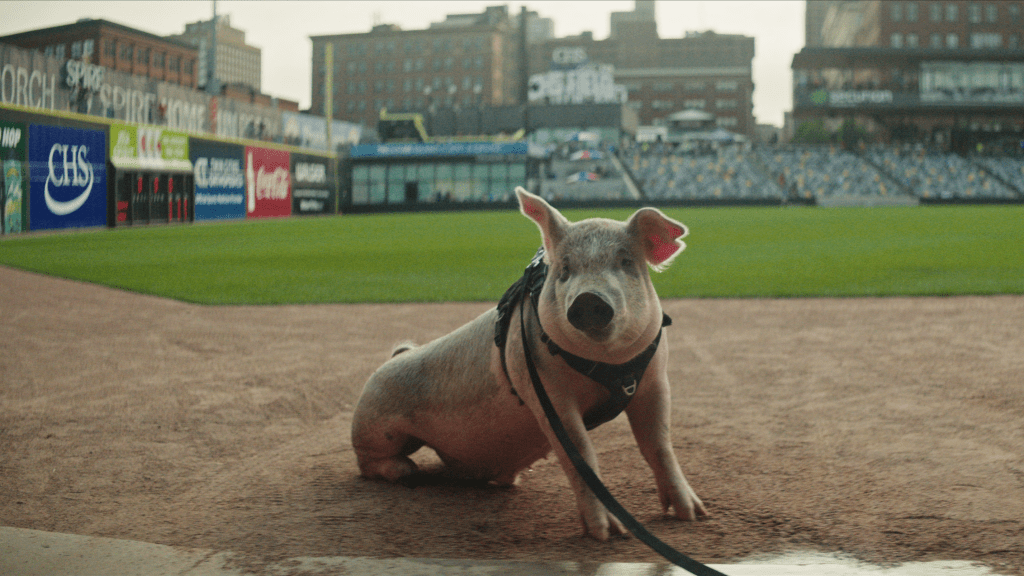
column 596, row 520
column 649, row 417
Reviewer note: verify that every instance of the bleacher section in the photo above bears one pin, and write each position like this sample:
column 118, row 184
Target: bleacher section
column 824, row 174
column 940, row 175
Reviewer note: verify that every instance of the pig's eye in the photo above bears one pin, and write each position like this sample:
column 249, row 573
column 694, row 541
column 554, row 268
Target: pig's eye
column 628, row 263
column 565, row 272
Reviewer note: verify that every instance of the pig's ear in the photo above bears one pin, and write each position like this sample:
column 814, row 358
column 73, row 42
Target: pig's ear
column 550, row 221
column 658, row 234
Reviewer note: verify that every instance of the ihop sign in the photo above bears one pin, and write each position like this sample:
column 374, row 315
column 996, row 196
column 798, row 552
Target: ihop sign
column 68, row 186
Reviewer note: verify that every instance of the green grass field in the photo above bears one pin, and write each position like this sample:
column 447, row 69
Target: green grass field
column 474, row 256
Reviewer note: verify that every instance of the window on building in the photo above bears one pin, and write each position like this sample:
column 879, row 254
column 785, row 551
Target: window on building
column 935, row 12
column 725, row 104
column 694, row 85
column 911, row 11
column 896, row 40
column 663, row 104
column 952, row 41
column 936, row 40
column 1013, row 42
column 727, row 85
column 158, row 59
column 695, row 104
column 109, row 48
column 991, row 13
column 727, row 122
column 896, row 11
column 76, row 49
column 1013, row 11
column 952, row 12
column 912, row 40
column 986, row 40
column 974, row 13
column 142, row 56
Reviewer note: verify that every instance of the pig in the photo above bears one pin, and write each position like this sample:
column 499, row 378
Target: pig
column 473, row 402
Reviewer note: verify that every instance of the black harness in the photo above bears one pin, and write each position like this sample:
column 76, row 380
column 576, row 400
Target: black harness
column 621, row 380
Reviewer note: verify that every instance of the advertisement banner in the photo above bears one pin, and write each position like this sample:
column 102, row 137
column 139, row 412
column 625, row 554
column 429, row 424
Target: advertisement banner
column 219, row 180
column 312, row 185
column 13, row 207
column 149, row 148
column 68, row 170
column 267, row 183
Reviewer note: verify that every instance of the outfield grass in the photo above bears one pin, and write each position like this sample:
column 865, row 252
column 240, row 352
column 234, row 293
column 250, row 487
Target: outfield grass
column 474, row 256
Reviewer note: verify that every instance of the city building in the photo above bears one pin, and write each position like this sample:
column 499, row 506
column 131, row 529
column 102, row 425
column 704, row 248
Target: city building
column 467, row 60
column 237, row 62
column 950, row 73
column 702, row 71
column 116, row 47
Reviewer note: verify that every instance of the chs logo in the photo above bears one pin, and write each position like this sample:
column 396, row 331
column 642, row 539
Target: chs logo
column 68, row 166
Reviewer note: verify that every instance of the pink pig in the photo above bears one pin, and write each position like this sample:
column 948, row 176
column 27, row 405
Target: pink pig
column 473, row 402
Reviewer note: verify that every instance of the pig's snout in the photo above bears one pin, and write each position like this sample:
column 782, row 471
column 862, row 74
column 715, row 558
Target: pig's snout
column 590, row 313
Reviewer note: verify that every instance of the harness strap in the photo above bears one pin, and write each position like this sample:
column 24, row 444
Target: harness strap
column 620, row 380
column 594, row 483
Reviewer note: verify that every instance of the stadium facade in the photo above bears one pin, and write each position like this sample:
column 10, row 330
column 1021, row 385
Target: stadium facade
column 950, row 74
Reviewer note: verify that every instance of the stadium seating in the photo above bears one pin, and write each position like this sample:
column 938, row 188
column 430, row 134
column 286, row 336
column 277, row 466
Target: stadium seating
column 822, row 173
column 939, row 175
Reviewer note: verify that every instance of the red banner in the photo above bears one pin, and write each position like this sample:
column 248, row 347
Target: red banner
column 268, row 183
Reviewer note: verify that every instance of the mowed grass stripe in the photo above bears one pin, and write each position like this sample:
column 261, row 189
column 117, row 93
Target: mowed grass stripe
column 474, row 256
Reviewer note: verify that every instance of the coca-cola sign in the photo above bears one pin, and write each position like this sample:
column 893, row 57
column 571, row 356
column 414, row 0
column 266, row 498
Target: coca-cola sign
column 268, row 185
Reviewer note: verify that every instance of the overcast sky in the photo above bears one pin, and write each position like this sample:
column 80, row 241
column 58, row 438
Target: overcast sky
column 282, row 29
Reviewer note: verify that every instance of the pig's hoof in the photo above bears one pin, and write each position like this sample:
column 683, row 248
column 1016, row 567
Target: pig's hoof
column 390, row 469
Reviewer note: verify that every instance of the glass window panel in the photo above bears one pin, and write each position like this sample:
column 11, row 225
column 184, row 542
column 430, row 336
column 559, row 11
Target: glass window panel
column 360, row 193
column 377, row 192
column 517, row 174
column 360, row 174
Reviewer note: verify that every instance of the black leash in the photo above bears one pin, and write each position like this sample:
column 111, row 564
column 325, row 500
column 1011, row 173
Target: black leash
column 593, row 482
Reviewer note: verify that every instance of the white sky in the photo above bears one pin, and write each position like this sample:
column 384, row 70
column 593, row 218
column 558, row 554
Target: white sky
column 282, row 29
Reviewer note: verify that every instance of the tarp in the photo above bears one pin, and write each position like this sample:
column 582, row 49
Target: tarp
column 582, row 177
column 586, row 155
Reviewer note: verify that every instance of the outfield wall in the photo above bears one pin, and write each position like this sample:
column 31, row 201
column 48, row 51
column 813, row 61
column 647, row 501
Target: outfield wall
column 69, row 170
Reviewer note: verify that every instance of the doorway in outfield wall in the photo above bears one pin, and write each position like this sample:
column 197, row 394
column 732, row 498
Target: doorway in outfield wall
column 153, row 197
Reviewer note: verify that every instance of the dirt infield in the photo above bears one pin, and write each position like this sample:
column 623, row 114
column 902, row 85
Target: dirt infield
column 889, row 428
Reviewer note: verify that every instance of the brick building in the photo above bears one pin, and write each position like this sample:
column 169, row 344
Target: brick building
column 701, row 71
column 947, row 72
column 116, row 47
column 467, row 60
column 237, row 62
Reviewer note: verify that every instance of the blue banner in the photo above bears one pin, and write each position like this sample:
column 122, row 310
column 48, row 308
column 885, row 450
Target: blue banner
column 68, row 177
column 219, row 178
